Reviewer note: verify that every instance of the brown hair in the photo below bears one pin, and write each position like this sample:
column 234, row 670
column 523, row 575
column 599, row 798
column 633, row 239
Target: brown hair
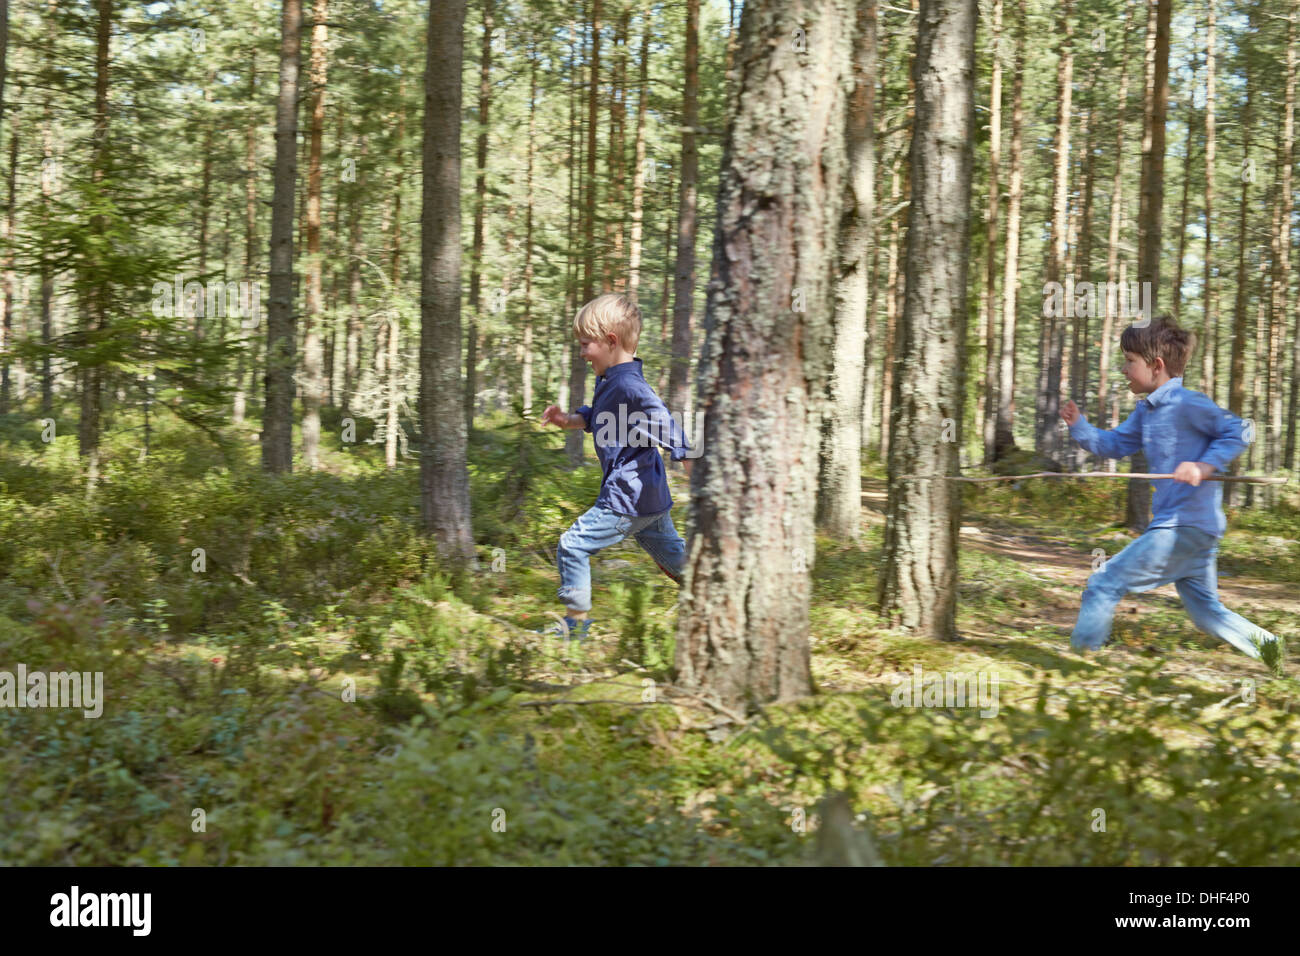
column 610, row 313
column 1161, row 338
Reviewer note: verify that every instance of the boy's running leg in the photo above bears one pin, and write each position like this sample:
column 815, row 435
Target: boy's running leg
column 1156, row 557
column 1200, row 594
column 595, row 529
column 662, row 542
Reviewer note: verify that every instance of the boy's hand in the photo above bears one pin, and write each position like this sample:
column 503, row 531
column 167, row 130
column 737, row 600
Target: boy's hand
column 555, row 416
column 1070, row 412
column 1193, row 472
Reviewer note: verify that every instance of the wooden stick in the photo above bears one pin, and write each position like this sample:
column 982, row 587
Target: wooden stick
column 1102, row 474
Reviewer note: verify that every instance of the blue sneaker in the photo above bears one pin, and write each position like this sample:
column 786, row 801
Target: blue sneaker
column 569, row 630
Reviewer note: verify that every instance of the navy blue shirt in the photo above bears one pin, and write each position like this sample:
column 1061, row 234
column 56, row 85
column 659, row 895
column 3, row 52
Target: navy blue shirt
column 1173, row 425
column 630, row 423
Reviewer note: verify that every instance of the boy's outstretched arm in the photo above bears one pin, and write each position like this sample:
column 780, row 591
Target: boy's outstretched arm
column 1112, row 443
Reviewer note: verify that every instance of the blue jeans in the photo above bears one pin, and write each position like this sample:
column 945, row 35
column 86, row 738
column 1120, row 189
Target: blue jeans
column 1185, row 556
column 599, row 528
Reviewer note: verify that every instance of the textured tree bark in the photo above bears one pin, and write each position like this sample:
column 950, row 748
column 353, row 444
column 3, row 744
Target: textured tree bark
column 684, row 272
column 840, row 488
column 918, row 583
column 444, row 477
column 1003, row 440
column 313, row 382
column 281, row 334
column 743, row 628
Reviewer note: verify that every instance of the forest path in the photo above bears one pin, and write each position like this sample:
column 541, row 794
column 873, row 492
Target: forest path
column 1063, row 571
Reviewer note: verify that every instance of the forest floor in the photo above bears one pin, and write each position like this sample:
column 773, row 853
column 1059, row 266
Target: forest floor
column 326, row 695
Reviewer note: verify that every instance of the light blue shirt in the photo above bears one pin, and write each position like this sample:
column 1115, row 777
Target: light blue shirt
column 1173, row 425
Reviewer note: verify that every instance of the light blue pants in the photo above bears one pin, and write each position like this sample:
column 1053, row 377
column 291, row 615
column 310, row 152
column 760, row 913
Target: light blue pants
column 599, row 528
column 1186, row 557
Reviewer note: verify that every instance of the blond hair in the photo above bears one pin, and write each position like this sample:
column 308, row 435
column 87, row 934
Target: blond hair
column 610, row 313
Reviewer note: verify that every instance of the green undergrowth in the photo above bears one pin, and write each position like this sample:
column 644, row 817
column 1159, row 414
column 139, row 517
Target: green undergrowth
column 317, row 690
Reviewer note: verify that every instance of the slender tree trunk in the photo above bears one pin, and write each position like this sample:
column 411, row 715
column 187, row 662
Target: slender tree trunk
column 393, row 364
column 1083, row 265
column 444, row 476
column 638, row 173
column 313, row 385
column 840, row 503
column 480, row 207
column 1211, row 290
column 684, row 275
column 918, row 584
column 891, row 314
column 1004, row 440
column 986, row 418
column 281, row 332
column 526, row 373
column 1177, row 290
column 11, row 207
column 1284, row 237
column 617, row 121
column 1150, row 215
column 239, row 409
column 1050, row 400
column 743, row 628
column 92, row 375
column 573, row 441
column 1113, row 233
column 356, row 332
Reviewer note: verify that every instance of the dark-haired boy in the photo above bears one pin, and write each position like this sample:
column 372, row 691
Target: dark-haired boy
column 1183, row 433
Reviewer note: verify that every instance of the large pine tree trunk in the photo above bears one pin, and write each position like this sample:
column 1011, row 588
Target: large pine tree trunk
column 1003, row 440
column 1151, row 209
column 743, row 629
column 444, row 477
column 684, row 274
column 840, row 487
column 918, row 584
column 313, row 383
column 281, row 341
